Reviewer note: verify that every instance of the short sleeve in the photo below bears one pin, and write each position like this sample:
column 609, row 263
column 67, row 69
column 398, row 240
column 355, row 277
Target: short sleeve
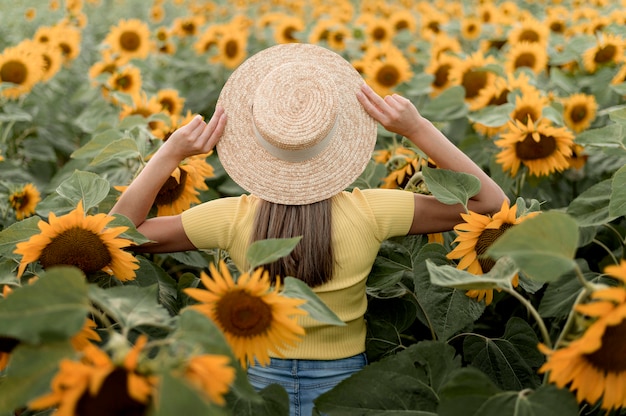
column 393, row 210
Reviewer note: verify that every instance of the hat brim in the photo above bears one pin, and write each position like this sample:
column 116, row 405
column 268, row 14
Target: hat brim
column 295, row 183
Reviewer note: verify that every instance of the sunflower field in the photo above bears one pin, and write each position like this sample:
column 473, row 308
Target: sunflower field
column 522, row 312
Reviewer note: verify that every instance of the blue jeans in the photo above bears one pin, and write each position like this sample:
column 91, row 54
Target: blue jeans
column 305, row 380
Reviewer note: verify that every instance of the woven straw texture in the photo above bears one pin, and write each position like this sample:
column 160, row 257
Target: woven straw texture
column 296, row 133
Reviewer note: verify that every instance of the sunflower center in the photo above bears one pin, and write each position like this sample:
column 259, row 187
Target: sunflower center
column 168, row 104
column 529, row 36
column 522, row 113
column 486, row 239
column 244, row 315
column 124, row 82
column 8, row 344
column 441, row 75
column 232, row 48
column 557, row 27
column 171, row 189
column 13, row 71
column 19, row 200
column 76, row 247
column 529, row 149
column 525, row 60
column 130, row 41
column 379, row 33
column 474, row 81
column 111, row 399
column 605, row 54
column 499, row 99
column 388, row 75
column 288, row 34
column 578, row 113
column 611, row 356
column 434, row 27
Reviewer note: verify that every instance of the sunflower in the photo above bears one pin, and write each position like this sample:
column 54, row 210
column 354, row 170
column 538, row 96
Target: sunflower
column 88, row 333
column 129, row 39
column 471, row 27
column 525, row 54
column 146, row 106
column 24, row 201
column 529, row 104
column 67, row 39
column 609, row 50
column 232, row 48
column 403, row 20
column 86, row 387
column 338, row 37
column 440, row 68
column 208, row 39
column 471, row 74
column 21, row 69
column 579, row 111
column 556, row 23
column 386, row 68
column 126, row 80
column 108, row 64
column 82, row 241
column 620, row 76
column 594, row 364
column 443, row 44
column 432, row 24
column 379, row 30
column 321, row 30
column 578, row 159
column 171, row 101
column 157, row 13
column 185, row 26
column 530, row 30
column 541, row 147
column 402, row 163
column 211, row 374
column 255, row 319
column 287, row 28
column 475, row 236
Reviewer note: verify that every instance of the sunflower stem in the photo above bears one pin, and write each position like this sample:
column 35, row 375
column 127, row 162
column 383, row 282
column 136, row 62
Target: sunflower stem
column 108, row 325
column 570, row 317
column 531, row 309
column 581, row 278
column 601, row 244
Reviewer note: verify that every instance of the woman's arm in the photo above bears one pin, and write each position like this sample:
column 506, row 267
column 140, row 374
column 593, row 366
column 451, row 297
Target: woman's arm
column 196, row 137
column 397, row 114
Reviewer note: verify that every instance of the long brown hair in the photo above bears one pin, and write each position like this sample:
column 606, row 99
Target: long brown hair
column 312, row 259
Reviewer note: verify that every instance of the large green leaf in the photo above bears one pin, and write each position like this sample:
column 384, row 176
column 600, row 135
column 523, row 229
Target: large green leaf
column 150, row 273
column 500, row 276
column 543, row 247
column 132, row 306
column 471, row 393
column 317, row 309
column 407, row 383
column 493, row 115
column 16, row 233
column 85, row 186
column 617, row 205
column 97, row 143
column 29, row 373
column 267, row 251
column 274, row 402
column 52, row 308
column 387, row 321
column 591, row 207
column 510, row 361
column 177, row 397
column 118, row 150
column 451, row 187
column 449, row 105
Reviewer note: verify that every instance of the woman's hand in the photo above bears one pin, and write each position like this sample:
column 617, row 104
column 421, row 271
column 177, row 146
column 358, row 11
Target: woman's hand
column 196, row 137
column 395, row 113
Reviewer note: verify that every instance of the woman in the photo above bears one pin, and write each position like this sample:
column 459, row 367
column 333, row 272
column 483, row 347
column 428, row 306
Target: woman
column 301, row 128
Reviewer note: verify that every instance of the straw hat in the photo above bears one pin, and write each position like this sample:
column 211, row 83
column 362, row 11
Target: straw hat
column 296, row 133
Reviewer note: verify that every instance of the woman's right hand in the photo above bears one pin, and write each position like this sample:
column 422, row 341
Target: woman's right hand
column 196, row 137
column 395, row 113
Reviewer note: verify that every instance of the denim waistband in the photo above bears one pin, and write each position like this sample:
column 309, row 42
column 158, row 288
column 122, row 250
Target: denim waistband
column 359, row 360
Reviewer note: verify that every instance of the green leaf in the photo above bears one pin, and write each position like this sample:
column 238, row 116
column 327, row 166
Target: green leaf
column 371, row 176
column 510, row 361
column 493, row 115
column 407, row 383
column 449, row 105
column 387, row 320
column 500, row 276
column 317, row 309
column 451, row 187
column 470, row 393
column 274, row 402
column 131, row 233
column 177, row 397
column 85, row 186
column 131, row 306
column 52, row 308
column 267, row 251
column 609, row 136
column 617, row 204
column 591, row 207
column 560, row 295
column 118, row 150
column 150, row 273
column 30, row 372
column 97, row 144
column 543, row 247
column 132, row 121
column 16, row 233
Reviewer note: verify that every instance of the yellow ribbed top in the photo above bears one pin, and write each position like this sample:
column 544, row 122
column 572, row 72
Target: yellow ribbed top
column 362, row 220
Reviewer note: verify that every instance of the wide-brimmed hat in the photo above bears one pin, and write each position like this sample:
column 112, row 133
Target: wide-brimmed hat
column 296, row 133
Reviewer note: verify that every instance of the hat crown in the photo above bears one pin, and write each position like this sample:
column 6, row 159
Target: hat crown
column 294, row 110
